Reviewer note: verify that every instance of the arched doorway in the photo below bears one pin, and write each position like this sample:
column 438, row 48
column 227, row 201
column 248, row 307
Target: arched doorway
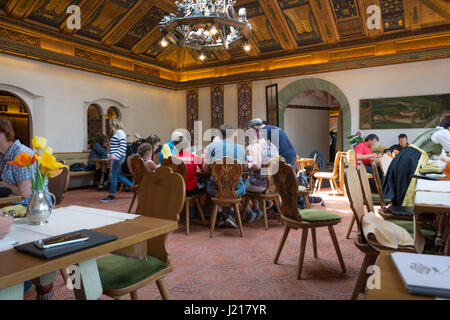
column 112, row 113
column 15, row 110
column 293, row 89
column 314, row 114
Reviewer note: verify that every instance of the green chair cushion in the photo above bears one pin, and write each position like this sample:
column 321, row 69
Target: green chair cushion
column 317, row 215
column 409, row 226
column 117, row 272
column 376, row 198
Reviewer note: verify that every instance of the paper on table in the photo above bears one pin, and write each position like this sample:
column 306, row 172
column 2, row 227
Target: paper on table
column 430, row 185
column 65, row 220
column 7, row 243
column 430, row 272
column 436, row 198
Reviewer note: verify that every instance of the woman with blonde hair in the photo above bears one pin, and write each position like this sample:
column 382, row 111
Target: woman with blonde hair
column 117, row 154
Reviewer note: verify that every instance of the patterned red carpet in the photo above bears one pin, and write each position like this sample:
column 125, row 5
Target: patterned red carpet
column 231, row 267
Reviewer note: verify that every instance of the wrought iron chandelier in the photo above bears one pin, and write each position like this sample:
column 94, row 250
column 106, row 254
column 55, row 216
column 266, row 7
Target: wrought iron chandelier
column 206, row 25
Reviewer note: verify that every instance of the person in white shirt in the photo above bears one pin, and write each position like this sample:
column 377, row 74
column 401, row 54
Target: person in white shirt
column 117, row 153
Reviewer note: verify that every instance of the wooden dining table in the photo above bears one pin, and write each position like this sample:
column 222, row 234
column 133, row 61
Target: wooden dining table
column 391, row 283
column 132, row 236
column 432, row 197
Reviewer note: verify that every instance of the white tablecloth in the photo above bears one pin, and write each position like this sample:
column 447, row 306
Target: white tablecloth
column 62, row 220
column 435, row 186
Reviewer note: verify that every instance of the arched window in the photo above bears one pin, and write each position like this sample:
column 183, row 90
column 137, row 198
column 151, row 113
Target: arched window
column 94, row 122
column 112, row 113
column 15, row 110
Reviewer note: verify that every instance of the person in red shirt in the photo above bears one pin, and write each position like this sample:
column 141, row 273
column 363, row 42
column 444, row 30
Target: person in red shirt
column 192, row 162
column 364, row 153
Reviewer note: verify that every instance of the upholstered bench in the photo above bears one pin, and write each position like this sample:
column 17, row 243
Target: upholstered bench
column 78, row 178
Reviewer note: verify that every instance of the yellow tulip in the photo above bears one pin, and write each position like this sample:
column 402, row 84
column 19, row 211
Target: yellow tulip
column 49, row 150
column 39, row 143
column 51, row 173
column 49, row 161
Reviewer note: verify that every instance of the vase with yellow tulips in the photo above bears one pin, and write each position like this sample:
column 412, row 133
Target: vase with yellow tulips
column 39, row 208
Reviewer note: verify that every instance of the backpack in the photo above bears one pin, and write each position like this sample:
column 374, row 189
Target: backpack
column 78, row 166
column 303, row 181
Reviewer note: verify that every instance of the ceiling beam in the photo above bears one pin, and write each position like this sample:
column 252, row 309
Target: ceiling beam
column 324, row 18
column 147, row 41
column 20, row 9
column 439, row 7
column 167, row 5
column 87, row 8
column 120, row 29
column 363, row 5
column 276, row 18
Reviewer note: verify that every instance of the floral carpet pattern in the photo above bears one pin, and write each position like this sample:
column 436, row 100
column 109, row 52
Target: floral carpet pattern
column 234, row 268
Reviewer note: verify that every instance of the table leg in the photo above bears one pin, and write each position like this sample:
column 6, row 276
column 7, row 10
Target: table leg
column 102, row 178
column 89, row 286
column 12, row 293
column 44, row 287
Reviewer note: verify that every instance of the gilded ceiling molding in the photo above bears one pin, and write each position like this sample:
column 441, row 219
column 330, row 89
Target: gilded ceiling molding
column 146, row 70
column 352, row 53
column 89, row 55
column 19, row 37
column 423, row 43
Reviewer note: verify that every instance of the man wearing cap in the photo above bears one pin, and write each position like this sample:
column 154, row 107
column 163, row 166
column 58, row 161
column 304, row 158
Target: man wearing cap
column 273, row 134
column 168, row 148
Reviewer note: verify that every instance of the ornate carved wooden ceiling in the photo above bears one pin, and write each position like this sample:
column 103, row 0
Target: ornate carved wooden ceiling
column 121, row 37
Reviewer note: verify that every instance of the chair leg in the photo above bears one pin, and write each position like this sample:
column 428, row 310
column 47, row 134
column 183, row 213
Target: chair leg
column 332, row 187
column 132, row 202
column 200, row 210
column 316, row 186
column 314, row 241
column 278, row 207
column 282, row 242
column 238, row 216
column 246, row 209
column 301, row 256
column 350, row 227
column 186, row 209
column 320, row 185
column 337, row 187
column 213, row 220
column 262, row 204
column 134, row 295
column 161, row 283
column 337, row 248
column 64, row 275
column 361, row 282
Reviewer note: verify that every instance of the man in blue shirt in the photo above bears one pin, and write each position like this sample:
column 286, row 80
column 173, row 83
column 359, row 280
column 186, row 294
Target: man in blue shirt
column 273, row 134
column 216, row 151
column 168, row 149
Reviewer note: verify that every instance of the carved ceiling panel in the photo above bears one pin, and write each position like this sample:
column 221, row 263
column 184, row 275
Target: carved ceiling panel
column 348, row 19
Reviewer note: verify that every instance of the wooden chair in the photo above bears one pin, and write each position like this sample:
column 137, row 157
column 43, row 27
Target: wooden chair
column 370, row 247
column 270, row 194
column 137, row 168
column 226, row 174
column 287, row 185
column 403, row 213
column 162, row 194
column 365, row 185
column 332, row 176
column 181, row 169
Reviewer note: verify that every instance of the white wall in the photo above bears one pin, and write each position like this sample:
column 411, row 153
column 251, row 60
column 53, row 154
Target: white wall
column 58, row 98
column 310, row 129
column 401, row 80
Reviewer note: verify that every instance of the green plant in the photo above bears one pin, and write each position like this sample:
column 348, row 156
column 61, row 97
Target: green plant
column 356, row 138
column 96, row 138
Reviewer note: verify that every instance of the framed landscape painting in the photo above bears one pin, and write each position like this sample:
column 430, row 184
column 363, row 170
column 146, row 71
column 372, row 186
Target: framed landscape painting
column 272, row 105
column 407, row 112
